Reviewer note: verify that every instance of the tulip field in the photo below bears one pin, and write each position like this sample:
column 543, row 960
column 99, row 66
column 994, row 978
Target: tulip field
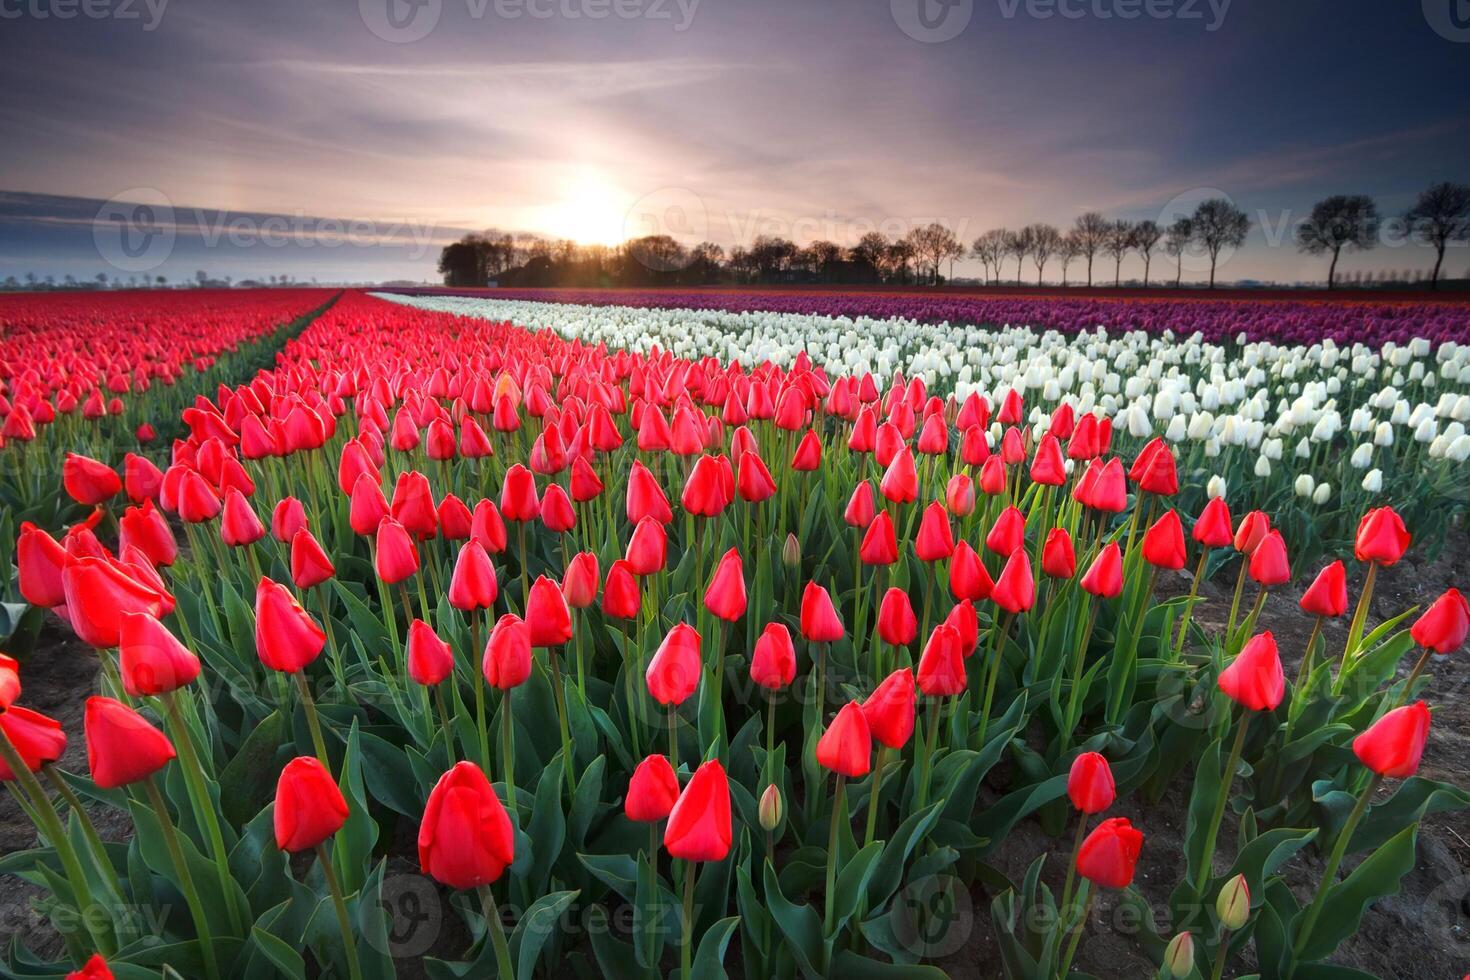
column 461, row 637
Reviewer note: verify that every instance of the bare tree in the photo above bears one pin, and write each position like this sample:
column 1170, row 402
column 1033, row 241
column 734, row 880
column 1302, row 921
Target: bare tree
column 899, row 254
column 871, row 250
column 932, row 244
column 1440, row 216
column 990, row 248
column 1018, row 246
column 1146, row 235
column 1219, row 224
column 1090, row 231
column 1118, row 242
column 1045, row 241
column 1176, row 242
column 1067, row 250
column 1338, row 222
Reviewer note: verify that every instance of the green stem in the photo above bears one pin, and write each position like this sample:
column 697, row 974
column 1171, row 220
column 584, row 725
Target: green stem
column 313, row 723
column 994, row 665
column 1072, row 864
column 344, row 923
column 1408, row 688
column 839, row 812
column 561, row 716
column 186, row 880
column 496, row 929
column 508, row 753
column 686, row 949
column 1355, row 629
column 1222, row 953
column 1079, row 656
column 1077, row 931
column 874, row 794
column 1199, row 571
column 1329, row 874
column 89, row 830
column 1206, row 865
column 1235, row 602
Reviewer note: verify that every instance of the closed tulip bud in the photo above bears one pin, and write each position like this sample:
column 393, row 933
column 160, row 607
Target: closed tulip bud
column 413, row 505
column 1163, row 543
column 146, row 529
column 1212, row 529
column 151, row 660
column 1394, row 744
column 820, row 622
column 725, row 596
column 1327, row 595
column 1444, row 624
column 122, row 747
column 1058, row 560
column 897, row 624
column 473, row 584
column 310, row 565
column 430, row 660
column 900, row 482
column 673, row 673
column 40, row 559
column 395, row 556
column 880, row 543
column 647, row 548
column 1254, row 679
column 1090, row 783
column 518, row 499
column 9, row 682
column 942, row 664
column 1007, row 534
column 1109, row 855
column 771, row 808
column 1104, row 578
column 791, row 552
column 547, row 615
column 889, row 710
column 992, row 479
column 507, row 660
column 94, row 969
column 239, row 524
column 309, row 807
column 645, row 498
column 1015, row 589
column 959, row 495
column 1268, row 562
column 288, row 517
column 141, row 478
column 652, row 791
column 368, row 507
column 88, row 481
column 36, row 739
column 286, row 637
column 773, row 663
column 466, row 839
column 699, row 825
column 1251, row 532
column 1381, row 537
column 860, row 510
column 1233, row 904
column 1179, row 956
column 557, row 512
column 934, row 540
column 487, row 528
column 99, row 592
column 621, row 598
column 846, row 747
column 579, row 583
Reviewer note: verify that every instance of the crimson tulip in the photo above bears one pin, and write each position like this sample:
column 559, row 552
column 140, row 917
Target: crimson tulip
column 310, row 565
column 653, row 790
column 1381, row 537
column 621, row 597
column 699, row 824
column 897, row 624
column 547, row 616
column 1058, row 560
column 507, row 659
column 820, row 622
column 395, row 556
column 934, row 540
column 579, row 582
column 1212, row 528
column 88, row 481
column 466, row 839
column 1110, row 853
column 36, row 738
column 846, row 747
column 1393, row 745
column 1007, row 534
column 473, row 585
column 309, row 807
column 286, row 637
column 880, row 543
column 1327, row 595
column 647, row 548
column 889, row 710
column 942, row 664
column 673, row 673
column 725, row 596
column 773, row 662
column 1163, row 543
column 122, row 746
column 151, row 660
column 430, row 660
column 1254, row 679
column 1443, row 626
column 1090, row 783
column 1015, row 589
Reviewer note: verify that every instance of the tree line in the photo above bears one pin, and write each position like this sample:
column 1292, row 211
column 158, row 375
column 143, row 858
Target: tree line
column 1343, row 222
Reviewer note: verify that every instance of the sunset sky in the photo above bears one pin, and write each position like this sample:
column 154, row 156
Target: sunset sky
column 808, row 119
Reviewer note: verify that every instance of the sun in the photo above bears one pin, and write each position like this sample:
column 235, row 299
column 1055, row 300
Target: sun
column 591, row 210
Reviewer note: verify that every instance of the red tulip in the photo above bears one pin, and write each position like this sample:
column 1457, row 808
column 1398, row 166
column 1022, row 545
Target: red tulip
column 1048, row 468
column 9, row 681
column 1254, row 678
column 645, row 498
column 1251, row 532
column 1382, row 537
column 547, row 615
column 889, row 710
column 754, row 482
column 968, row 578
column 413, row 505
column 473, row 584
column 1444, row 624
column 122, row 747
column 1212, row 529
column 820, row 622
column 507, row 659
column 466, row 839
column 368, row 507
column 146, row 529
column 518, row 499
column 704, row 492
column 94, row 969
column 653, row 790
column 286, row 637
column 1007, row 534
column 1327, row 595
column 673, row 673
column 239, row 524
column 942, row 664
column 310, row 565
column 288, row 517
column 36, row 738
column 648, row 548
column 1104, row 578
column 1015, row 589
column 557, row 513
column 725, row 596
column 430, row 660
column 579, row 583
column 1163, row 543
column 900, row 482
column 100, row 592
column 621, row 597
column 699, row 825
column 88, row 481
column 1109, row 491
column 456, row 523
column 859, row 511
column 846, row 747
column 1268, row 562
column 309, row 806
column 897, row 624
column 1393, row 745
column 395, row 556
column 959, row 495
column 1058, row 560
column 992, row 479
column 1109, row 854
column 152, row 661
column 773, row 663
column 934, row 541
column 1090, row 783
column 487, row 528
column 880, row 544
column 1154, row 469
column 40, row 559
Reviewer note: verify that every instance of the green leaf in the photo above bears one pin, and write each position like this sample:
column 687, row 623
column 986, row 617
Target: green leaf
column 535, row 928
column 709, row 959
column 280, row 953
column 800, row 924
column 1378, row 875
column 248, row 782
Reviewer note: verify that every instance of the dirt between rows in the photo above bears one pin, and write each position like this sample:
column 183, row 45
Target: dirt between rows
column 1422, row 932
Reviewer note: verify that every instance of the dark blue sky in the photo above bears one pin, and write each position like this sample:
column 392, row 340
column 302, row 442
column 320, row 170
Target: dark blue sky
column 597, row 119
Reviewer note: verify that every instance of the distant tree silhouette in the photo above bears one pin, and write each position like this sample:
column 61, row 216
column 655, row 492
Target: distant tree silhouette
column 1338, row 222
column 1090, row 232
column 1441, row 215
column 990, row 248
column 1146, row 235
column 1067, row 251
column 1045, row 241
column 1118, row 242
column 1176, row 242
column 1219, row 224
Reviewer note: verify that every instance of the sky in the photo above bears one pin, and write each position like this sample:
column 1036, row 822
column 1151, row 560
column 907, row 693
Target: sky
column 376, row 130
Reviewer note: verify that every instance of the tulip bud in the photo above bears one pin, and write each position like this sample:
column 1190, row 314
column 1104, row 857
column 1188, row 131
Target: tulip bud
column 772, row 809
column 791, row 552
column 1179, row 956
column 1233, row 906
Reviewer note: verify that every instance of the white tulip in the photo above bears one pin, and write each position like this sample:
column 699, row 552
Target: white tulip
column 1373, row 482
column 1362, row 456
column 1215, row 487
column 1263, row 466
column 1322, row 494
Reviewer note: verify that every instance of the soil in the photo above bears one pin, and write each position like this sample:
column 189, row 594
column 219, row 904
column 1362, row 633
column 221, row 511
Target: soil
column 1423, row 931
